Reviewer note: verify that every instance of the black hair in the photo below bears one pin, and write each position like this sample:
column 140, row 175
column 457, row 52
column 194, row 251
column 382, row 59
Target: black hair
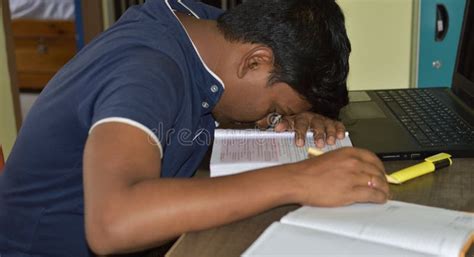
column 309, row 43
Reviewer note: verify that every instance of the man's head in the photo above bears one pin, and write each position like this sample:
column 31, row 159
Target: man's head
column 307, row 44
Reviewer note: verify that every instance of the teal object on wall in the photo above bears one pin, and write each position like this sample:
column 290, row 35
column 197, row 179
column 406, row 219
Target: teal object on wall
column 440, row 28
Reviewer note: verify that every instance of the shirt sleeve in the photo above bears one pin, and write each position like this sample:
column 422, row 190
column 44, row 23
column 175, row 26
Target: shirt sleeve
column 140, row 96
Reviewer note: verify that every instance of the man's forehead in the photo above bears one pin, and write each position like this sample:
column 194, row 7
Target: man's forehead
column 292, row 105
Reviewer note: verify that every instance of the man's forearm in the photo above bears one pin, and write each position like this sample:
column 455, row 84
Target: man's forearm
column 152, row 211
column 128, row 207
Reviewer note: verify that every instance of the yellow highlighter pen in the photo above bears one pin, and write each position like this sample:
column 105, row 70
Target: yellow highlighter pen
column 430, row 164
column 314, row 152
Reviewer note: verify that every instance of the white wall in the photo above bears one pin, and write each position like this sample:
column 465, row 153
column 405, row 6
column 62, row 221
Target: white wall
column 8, row 105
column 381, row 33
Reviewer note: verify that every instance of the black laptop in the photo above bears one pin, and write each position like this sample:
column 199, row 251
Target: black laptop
column 416, row 123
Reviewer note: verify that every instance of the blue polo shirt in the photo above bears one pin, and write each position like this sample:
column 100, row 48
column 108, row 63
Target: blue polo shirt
column 144, row 71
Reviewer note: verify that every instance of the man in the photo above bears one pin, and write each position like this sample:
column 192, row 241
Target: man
column 100, row 163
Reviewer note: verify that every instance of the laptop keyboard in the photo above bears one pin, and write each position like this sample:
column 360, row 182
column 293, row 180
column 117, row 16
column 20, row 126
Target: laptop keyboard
column 427, row 118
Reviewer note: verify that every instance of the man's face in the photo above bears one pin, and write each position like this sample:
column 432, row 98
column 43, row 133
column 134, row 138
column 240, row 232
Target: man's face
column 248, row 96
column 253, row 102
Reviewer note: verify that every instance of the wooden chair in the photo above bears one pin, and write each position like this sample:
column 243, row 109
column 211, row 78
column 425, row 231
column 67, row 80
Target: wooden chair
column 42, row 47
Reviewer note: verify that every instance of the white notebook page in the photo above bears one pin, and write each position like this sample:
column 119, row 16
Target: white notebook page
column 421, row 228
column 284, row 240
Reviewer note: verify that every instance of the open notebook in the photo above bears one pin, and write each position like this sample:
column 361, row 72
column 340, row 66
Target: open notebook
column 236, row 151
column 369, row 230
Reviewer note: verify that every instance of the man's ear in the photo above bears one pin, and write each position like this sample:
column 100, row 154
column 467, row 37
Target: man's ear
column 257, row 58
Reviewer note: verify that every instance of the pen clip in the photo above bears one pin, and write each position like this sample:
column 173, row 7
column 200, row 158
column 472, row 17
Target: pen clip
column 439, row 157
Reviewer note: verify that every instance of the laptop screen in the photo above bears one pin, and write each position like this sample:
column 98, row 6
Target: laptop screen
column 463, row 79
column 466, row 60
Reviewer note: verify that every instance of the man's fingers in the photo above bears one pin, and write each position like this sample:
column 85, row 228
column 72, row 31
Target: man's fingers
column 330, row 129
column 333, row 129
column 317, row 126
column 380, row 183
column 283, row 125
column 372, row 169
column 366, row 156
column 370, row 172
column 375, row 182
column 340, row 130
column 301, row 127
column 370, row 157
column 368, row 194
column 325, row 130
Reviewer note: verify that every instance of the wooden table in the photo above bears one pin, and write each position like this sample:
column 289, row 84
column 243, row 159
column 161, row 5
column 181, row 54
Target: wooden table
column 451, row 188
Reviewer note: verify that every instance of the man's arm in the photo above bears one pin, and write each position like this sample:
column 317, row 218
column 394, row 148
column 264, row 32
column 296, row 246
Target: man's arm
column 128, row 207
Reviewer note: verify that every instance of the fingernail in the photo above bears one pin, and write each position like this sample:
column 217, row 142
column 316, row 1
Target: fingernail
column 300, row 142
column 320, row 142
column 331, row 140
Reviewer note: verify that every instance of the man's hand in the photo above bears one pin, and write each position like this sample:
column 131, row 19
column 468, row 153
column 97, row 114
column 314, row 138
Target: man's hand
column 325, row 129
column 342, row 177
